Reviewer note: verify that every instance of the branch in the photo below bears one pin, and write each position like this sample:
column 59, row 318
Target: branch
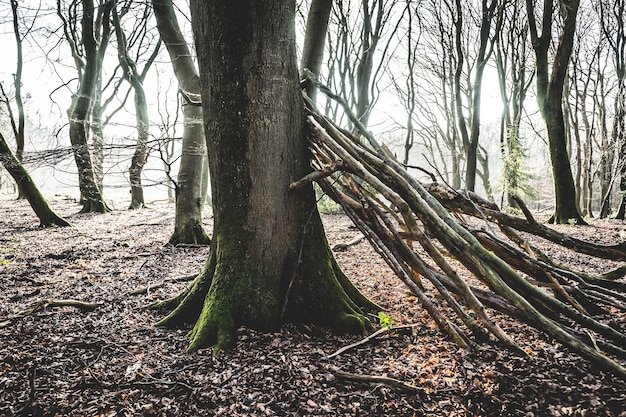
column 368, row 338
column 50, row 302
column 148, row 287
column 377, row 379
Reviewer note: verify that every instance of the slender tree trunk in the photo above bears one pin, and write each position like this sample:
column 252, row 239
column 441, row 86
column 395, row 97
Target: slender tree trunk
column 79, row 115
column 47, row 216
column 97, row 136
column 189, row 187
column 314, row 41
column 488, row 12
column 135, row 78
column 270, row 261
column 17, row 82
column 619, row 138
column 607, row 155
column 550, row 98
column 140, row 156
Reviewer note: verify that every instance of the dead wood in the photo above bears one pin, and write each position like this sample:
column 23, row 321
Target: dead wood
column 147, row 288
column 390, row 207
column 345, row 245
column 368, row 338
column 44, row 304
column 377, row 379
column 458, row 201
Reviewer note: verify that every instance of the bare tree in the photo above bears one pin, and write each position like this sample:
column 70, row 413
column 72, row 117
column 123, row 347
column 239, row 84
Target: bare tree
column 88, row 60
column 551, row 74
column 515, row 76
column 188, row 218
column 612, row 15
column 136, row 78
column 489, row 24
column 358, row 51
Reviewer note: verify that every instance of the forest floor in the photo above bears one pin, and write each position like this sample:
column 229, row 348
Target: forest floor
column 113, row 361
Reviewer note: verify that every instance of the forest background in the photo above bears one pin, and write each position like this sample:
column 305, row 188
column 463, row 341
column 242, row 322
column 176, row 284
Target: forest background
column 423, row 76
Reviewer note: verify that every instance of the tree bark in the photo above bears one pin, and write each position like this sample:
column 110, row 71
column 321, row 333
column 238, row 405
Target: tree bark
column 136, row 79
column 270, row 261
column 314, row 41
column 550, row 98
column 189, row 190
column 79, row 114
column 47, row 216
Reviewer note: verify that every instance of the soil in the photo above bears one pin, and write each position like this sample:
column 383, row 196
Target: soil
column 113, row 361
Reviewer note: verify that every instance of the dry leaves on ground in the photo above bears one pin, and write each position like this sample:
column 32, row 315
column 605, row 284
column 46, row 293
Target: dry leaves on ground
column 112, row 361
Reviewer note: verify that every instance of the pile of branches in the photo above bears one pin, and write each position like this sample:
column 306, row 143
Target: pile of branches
column 397, row 214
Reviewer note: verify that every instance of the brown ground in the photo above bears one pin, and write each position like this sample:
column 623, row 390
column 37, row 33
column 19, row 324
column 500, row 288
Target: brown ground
column 112, row 361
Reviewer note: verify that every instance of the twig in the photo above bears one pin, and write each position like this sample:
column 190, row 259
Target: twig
column 368, row 338
column 155, row 381
column 317, row 175
column 377, row 379
column 345, row 245
column 51, row 302
column 149, row 287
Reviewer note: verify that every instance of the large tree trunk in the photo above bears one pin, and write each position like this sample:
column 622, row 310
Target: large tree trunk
column 270, row 261
column 189, row 188
column 47, row 216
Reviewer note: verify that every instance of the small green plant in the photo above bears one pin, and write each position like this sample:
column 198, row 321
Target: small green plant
column 4, row 262
column 385, row 320
column 572, row 222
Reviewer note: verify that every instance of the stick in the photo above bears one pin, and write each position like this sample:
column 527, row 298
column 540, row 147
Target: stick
column 368, row 338
column 345, row 245
column 149, row 287
column 50, row 302
column 377, row 379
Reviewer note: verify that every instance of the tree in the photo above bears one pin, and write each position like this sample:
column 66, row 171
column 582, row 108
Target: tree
column 515, row 77
column 613, row 21
column 47, row 216
column 550, row 84
column 434, row 90
column 188, row 217
column 314, row 41
column 88, row 61
column 12, row 162
column 18, row 128
column 136, row 79
column 357, row 52
column 489, row 12
column 270, row 261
